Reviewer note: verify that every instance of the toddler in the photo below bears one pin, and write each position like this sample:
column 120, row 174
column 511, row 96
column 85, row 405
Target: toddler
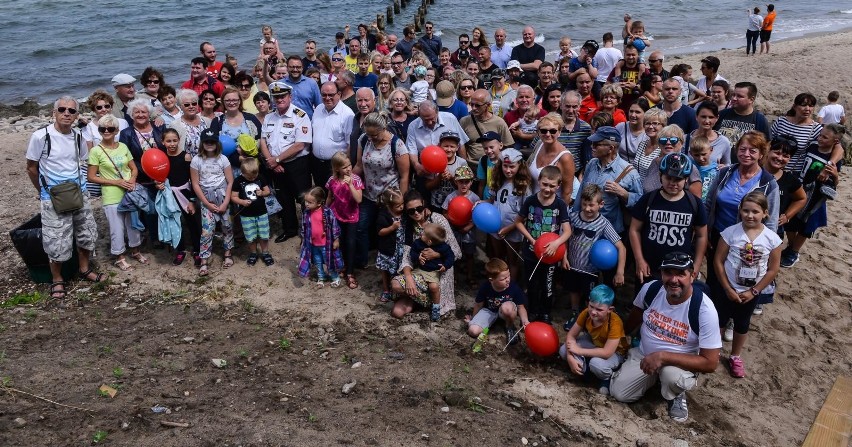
column 391, row 239
column 320, row 240
column 700, row 150
column 248, row 193
column 434, row 237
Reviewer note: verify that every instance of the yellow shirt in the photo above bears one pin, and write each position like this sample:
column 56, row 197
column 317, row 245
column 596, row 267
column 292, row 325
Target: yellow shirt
column 612, row 328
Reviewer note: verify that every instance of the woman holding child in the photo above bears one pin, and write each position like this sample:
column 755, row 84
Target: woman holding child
column 707, row 114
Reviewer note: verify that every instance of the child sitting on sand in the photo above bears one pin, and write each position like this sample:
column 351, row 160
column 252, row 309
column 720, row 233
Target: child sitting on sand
column 498, row 297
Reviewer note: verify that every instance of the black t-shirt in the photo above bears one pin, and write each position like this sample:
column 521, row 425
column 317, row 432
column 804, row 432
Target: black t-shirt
column 787, row 184
column 179, row 172
column 526, row 55
column 385, row 244
column 668, row 226
column 248, row 190
column 492, row 299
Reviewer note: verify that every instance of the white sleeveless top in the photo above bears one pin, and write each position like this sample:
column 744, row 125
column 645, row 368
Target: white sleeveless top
column 535, row 171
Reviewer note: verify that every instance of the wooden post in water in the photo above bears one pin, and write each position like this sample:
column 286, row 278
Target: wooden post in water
column 416, row 23
column 403, row 3
column 396, row 6
column 390, row 14
column 380, row 22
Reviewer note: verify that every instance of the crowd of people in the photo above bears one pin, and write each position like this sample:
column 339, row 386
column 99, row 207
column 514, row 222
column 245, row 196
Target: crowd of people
column 679, row 175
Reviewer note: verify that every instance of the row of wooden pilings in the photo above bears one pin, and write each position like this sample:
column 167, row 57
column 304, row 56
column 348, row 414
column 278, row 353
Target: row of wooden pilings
column 396, row 8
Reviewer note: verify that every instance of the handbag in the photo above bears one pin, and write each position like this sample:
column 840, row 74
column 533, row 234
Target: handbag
column 67, row 196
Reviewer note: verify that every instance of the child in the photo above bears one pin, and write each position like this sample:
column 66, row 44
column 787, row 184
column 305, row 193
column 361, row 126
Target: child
column 420, row 87
column 528, row 124
column 442, row 184
column 509, row 187
column 588, row 227
column 465, row 234
column 637, row 34
column 596, row 341
column 541, row 213
column 832, row 113
column 391, row 239
column 181, row 186
column 268, row 36
column 248, row 192
column 433, row 237
column 700, row 150
column 212, row 180
column 320, row 240
column 364, row 77
column 683, row 74
column 565, row 49
column 498, row 297
column 748, row 257
column 344, row 195
column 492, row 144
column 381, row 43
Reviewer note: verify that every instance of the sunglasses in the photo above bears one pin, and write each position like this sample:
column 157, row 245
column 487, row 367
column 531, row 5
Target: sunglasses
column 466, row 87
column 337, row 59
column 245, row 86
column 152, row 81
column 328, row 95
column 548, row 131
column 190, row 104
column 109, row 129
column 415, row 210
column 654, row 60
column 681, row 258
column 105, row 106
column 670, row 140
column 70, row 110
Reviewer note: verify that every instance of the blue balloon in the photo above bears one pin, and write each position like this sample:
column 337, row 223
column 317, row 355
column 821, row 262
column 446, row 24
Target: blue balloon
column 486, row 217
column 604, row 255
column 639, row 44
column 229, row 145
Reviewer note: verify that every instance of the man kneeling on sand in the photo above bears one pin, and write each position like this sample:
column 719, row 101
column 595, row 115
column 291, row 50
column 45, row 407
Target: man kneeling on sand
column 679, row 338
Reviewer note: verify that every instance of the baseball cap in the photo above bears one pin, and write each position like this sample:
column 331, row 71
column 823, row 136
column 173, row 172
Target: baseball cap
column 513, row 64
column 209, row 135
column 464, row 54
column 591, row 45
column 498, row 73
column 489, row 136
column 123, row 79
column 450, row 135
column 464, row 173
column 339, row 35
column 511, row 155
column 677, row 260
column 446, row 93
column 278, row 88
column 608, row 133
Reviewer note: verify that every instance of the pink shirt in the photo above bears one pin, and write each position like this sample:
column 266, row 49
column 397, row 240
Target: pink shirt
column 344, row 206
column 317, row 230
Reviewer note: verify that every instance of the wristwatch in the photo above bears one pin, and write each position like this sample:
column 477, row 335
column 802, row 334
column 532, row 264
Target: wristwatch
column 277, row 160
column 755, row 292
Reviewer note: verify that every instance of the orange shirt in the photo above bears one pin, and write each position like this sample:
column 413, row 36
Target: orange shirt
column 768, row 21
column 612, row 328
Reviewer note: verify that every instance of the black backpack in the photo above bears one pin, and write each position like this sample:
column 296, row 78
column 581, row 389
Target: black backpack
column 698, row 289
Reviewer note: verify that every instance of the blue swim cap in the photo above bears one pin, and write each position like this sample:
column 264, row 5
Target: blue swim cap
column 602, row 294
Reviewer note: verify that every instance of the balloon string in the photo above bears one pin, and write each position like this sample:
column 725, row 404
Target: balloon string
column 512, row 248
column 514, row 336
column 536, row 267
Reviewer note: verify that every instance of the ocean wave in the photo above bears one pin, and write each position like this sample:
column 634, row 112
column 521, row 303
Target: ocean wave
column 848, row 11
column 538, row 39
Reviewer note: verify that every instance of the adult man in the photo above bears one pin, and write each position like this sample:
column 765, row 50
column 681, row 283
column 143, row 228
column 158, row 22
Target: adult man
column 332, row 124
column 682, row 116
column 606, row 58
column 366, row 104
column 125, row 92
column 305, row 92
column 588, row 104
column 655, row 65
column 501, row 53
column 710, row 72
column 766, row 28
column 426, row 130
column 679, row 338
column 345, row 82
column 283, row 145
column 464, row 45
column 431, row 44
column 401, row 78
column 405, row 45
column 447, row 101
column 339, row 45
column 481, row 121
column 208, row 51
column 529, row 54
column 631, row 73
column 351, row 59
column 391, row 41
column 486, row 66
column 741, row 117
column 199, row 80
column 576, row 132
column 53, row 157
column 310, row 59
column 546, row 73
column 502, row 96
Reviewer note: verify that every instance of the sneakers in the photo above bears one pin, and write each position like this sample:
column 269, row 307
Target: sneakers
column 435, row 315
column 677, row 408
column 789, row 258
column 604, row 387
column 737, row 367
column 729, row 331
column 510, row 335
column 386, row 297
column 758, row 310
column 829, row 192
column 571, row 320
column 545, row 318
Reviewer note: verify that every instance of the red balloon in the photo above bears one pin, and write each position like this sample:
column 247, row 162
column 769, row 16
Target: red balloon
column 543, row 240
column 155, row 163
column 541, row 338
column 433, row 159
column 460, row 211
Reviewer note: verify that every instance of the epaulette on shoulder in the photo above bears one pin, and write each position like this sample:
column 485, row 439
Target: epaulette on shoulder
column 299, row 112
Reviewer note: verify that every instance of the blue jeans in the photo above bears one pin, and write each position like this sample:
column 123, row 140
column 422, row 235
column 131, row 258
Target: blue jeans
column 367, row 220
column 319, row 261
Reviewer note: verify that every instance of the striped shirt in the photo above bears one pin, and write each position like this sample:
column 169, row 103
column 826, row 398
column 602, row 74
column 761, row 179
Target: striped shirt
column 583, row 235
column 804, row 135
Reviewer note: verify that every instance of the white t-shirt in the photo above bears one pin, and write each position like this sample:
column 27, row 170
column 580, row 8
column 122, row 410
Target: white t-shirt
column 211, row 171
column 419, row 92
column 606, row 58
column 63, row 163
column 831, row 113
column 509, row 205
column 744, row 264
column 702, row 82
column 91, row 134
column 666, row 327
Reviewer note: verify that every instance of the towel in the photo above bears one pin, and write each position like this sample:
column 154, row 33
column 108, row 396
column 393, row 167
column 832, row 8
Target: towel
column 168, row 217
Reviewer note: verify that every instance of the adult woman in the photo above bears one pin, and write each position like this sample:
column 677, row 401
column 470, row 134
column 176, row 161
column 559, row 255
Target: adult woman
column 209, row 104
column 562, row 75
column 368, row 40
column 707, row 114
column 190, row 125
column 325, row 67
column 632, row 131
column 245, row 85
column 652, row 86
column 755, row 22
column 550, row 152
column 226, row 74
column 649, row 149
column 402, row 112
column 610, row 98
column 376, row 62
column 413, row 291
column 151, row 80
column 523, row 101
column 235, row 122
column 551, row 98
column 100, row 102
column 799, row 124
column 477, row 40
column 261, row 102
column 720, row 93
column 669, row 140
column 385, row 85
column 337, row 64
column 382, row 162
column 465, row 90
column 171, row 111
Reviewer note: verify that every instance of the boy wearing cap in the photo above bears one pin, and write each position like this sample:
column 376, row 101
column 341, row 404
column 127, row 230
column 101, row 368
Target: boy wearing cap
column 442, row 184
column 463, row 180
column 584, row 63
column 492, row 144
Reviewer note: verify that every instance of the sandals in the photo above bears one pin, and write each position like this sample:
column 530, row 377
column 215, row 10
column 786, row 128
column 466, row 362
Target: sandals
column 351, row 281
column 203, row 270
column 320, row 284
column 57, row 290
column 179, row 257
column 335, row 284
column 140, row 258
column 228, row 262
column 85, row 276
column 122, row 265
column 252, row 259
column 267, row 259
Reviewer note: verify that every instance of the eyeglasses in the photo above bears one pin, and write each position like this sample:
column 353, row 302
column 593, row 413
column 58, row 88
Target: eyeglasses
column 415, row 210
column 337, row 59
column 477, row 104
column 384, row 83
column 245, row 86
column 548, row 131
column 190, row 104
column 396, row 64
column 653, row 124
column 654, row 60
column 109, row 129
column 398, row 100
column 294, row 67
column 466, row 87
column 152, row 81
column 668, row 140
column 105, row 106
column 280, row 96
column 70, row 110
column 328, row 95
